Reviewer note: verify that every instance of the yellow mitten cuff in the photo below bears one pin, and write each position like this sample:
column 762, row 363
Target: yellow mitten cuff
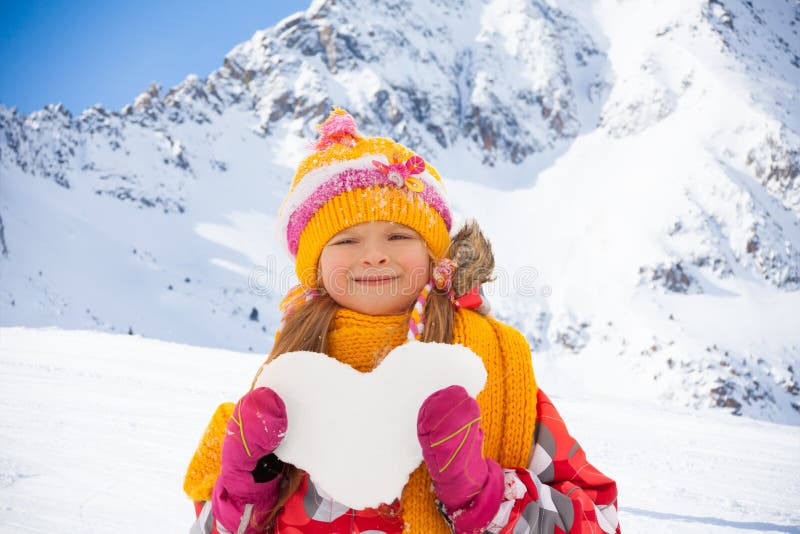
column 205, row 465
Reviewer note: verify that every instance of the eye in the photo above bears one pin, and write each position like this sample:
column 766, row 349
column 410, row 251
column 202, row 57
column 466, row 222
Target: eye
column 396, row 237
column 345, row 241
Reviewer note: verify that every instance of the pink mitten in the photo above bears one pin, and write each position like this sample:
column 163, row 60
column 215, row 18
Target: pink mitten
column 467, row 484
column 249, row 473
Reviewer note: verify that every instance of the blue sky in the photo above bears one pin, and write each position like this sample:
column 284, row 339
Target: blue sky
column 81, row 53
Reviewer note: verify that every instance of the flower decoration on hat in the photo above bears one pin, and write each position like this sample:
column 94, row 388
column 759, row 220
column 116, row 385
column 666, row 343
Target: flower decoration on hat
column 401, row 174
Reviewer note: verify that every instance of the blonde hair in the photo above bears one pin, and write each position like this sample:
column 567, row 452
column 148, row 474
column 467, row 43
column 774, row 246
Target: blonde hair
column 307, row 328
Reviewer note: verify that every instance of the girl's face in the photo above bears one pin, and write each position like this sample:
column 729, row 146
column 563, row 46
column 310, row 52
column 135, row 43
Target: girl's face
column 377, row 268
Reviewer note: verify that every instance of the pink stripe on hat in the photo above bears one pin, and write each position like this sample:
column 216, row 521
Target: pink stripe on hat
column 347, row 181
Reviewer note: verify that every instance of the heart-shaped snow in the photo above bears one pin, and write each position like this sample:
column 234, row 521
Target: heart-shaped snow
column 356, row 433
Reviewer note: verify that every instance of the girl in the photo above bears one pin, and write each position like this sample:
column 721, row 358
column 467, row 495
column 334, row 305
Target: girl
column 368, row 225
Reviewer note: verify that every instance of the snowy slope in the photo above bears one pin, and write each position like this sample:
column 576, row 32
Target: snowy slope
column 635, row 164
column 97, row 430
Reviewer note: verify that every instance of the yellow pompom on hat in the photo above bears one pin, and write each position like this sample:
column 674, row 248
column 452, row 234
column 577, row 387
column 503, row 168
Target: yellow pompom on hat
column 350, row 179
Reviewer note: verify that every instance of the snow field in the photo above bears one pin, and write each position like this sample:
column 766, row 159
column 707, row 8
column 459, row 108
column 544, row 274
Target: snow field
column 97, row 430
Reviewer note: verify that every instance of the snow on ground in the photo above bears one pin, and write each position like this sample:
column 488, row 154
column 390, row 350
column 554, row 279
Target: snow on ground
column 97, row 430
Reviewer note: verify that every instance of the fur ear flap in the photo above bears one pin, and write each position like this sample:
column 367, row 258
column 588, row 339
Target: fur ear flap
column 473, row 254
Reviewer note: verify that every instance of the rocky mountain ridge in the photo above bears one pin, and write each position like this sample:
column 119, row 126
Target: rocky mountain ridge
column 665, row 133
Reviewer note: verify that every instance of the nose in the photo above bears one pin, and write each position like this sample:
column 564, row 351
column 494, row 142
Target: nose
column 374, row 256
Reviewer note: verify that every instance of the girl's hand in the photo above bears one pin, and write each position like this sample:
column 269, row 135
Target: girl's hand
column 448, row 427
column 249, row 472
column 255, row 429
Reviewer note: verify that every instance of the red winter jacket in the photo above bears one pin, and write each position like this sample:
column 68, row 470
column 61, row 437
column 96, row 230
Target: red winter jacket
column 560, row 492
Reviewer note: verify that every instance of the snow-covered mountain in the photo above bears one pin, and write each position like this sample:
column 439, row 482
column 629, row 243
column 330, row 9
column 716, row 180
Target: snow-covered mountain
column 635, row 164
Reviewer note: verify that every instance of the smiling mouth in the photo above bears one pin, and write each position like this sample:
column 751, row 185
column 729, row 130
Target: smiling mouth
column 375, row 280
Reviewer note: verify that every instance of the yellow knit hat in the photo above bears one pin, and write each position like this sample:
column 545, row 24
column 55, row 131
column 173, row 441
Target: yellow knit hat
column 350, row 179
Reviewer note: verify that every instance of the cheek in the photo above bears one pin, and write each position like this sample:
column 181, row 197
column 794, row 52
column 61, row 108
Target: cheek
column 419, row 266
column 332, row 264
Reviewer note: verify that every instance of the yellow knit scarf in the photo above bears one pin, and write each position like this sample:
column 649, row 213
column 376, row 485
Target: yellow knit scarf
column 508, row 401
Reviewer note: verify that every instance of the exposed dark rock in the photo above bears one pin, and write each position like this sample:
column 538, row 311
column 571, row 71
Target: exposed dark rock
column 671, row 277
